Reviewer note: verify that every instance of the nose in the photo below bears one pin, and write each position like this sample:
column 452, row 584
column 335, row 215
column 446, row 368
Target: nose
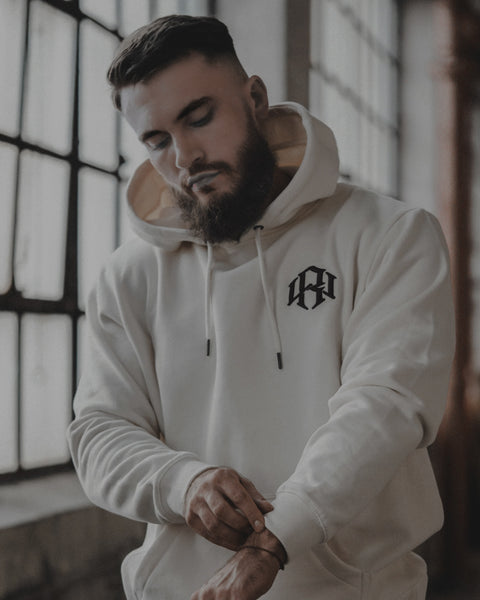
column 187, row 151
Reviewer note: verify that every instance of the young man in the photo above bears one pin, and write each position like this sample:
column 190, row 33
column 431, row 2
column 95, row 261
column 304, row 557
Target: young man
column 269, row 359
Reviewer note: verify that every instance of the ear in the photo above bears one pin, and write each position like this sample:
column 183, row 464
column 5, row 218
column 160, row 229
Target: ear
column 258, row 97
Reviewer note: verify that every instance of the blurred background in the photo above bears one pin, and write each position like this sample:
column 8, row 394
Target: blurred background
column 399, row 83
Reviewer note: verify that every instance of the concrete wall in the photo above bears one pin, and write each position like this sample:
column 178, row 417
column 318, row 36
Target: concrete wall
column 70, row 556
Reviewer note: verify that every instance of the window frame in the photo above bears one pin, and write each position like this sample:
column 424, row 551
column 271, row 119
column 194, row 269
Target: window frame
column 12, row 301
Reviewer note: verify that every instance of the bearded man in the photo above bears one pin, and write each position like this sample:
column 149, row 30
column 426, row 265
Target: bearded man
column 269, row 357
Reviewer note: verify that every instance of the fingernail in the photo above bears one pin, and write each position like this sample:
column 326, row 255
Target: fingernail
column 258, row 525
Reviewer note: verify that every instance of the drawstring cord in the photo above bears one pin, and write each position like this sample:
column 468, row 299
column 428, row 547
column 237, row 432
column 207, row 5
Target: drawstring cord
column 271, row 315
column 268, row 304
column 208, row 299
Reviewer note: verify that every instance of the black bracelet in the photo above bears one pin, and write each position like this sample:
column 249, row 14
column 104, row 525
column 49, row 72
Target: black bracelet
column 280, row 562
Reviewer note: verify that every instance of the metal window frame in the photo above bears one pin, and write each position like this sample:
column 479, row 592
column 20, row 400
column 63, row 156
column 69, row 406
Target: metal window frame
column 359, row 105
column 13, row 301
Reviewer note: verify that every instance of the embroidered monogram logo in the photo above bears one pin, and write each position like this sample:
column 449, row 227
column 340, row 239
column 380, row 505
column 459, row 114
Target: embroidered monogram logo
column 318, row 283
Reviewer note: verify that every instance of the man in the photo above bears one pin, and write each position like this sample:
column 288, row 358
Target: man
column 268, row 360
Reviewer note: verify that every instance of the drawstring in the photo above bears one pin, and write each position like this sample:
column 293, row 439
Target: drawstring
column 271, row 314
column 263, row 277
column 208, row 299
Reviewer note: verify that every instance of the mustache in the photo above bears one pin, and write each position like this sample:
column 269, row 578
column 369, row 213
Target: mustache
column 203, row 167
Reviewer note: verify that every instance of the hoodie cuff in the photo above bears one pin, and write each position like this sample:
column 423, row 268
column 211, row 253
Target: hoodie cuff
column 296, row 523
column 175, row 483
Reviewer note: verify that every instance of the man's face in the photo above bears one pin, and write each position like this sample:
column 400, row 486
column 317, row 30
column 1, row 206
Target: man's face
column 199, row 124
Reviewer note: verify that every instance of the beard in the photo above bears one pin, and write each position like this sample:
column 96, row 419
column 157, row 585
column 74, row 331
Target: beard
column 227, row 216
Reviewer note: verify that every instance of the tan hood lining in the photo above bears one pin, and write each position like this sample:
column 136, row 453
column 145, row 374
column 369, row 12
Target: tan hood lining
column 150, row 197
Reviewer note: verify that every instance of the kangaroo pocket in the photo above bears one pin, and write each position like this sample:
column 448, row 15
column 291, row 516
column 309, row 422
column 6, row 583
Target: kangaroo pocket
column 317, row 575
column 172, row 564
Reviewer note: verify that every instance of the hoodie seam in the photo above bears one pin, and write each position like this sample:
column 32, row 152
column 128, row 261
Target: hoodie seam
column 384, row 237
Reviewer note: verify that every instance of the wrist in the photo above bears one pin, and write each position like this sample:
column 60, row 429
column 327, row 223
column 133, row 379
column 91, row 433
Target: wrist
column 264, row 553
column 266, row 540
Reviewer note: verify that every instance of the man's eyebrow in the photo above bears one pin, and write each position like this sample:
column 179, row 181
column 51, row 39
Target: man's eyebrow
column 191, row 106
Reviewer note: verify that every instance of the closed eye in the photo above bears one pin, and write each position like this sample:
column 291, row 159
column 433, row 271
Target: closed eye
column 160, row 145
column 204, row 120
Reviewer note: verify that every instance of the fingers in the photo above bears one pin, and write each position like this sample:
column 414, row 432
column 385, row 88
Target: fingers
column 263, row 504
column 224, row 507
column 226, row 512
column 208, row 526
column 239, row 491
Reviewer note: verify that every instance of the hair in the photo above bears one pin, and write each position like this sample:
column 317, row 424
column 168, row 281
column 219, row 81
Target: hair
column 164, row 41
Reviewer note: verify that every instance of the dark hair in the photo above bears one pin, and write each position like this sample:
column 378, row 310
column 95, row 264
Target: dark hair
column 157, row 45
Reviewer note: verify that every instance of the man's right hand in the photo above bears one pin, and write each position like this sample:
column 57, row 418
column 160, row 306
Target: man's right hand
column 224, row 507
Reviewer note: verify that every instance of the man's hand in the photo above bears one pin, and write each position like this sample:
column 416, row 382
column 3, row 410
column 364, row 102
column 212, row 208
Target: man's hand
column 246, row 576
column 224, row 507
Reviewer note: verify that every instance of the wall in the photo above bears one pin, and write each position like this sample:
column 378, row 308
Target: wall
column 418, row 109
column 72, row 556
column 54, row 545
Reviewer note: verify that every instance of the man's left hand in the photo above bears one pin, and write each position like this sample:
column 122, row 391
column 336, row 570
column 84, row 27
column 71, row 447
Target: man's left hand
column 250, row 573
column 246, row 576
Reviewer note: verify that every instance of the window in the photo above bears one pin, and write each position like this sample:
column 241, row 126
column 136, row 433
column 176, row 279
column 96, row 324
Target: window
column 353, row 85
column 65, row 157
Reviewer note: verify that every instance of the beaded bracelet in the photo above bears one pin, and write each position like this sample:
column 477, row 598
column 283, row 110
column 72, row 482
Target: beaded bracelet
column 280, row 562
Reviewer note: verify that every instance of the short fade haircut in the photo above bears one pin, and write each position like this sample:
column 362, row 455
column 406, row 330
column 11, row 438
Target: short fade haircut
column 164, row 41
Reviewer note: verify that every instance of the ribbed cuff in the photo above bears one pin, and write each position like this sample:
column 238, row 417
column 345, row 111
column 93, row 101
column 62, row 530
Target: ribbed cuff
column 295, row 523
column 174, row 484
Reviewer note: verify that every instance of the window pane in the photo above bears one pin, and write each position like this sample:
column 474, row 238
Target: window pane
column 393, row 96
column 97, row 115
column 133, row 15
column 8, row 405
column 195, row 7
column 165, row 7
column 96, row 226
column 104, row 11
column 12, row 27
column 353, row 83
column 41, row 226
column 50, row 69
column 330, row 31
column 46, row 366
column 187, row 7
column 8, row 156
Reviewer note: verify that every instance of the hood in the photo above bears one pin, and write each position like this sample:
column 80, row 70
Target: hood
column 304, row 148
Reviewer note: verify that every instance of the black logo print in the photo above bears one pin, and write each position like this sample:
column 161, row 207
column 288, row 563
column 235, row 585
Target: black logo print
column 312, row 283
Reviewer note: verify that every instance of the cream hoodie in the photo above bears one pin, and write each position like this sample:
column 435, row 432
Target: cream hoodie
column 353, row 291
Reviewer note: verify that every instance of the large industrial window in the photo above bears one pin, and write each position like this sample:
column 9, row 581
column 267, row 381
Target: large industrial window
column 65, row 157
column 353, row 85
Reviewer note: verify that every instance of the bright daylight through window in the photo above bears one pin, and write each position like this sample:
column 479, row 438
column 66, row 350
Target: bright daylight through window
column 65, row 157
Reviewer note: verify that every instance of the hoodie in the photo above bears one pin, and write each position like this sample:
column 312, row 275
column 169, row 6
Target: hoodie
column 330, row 338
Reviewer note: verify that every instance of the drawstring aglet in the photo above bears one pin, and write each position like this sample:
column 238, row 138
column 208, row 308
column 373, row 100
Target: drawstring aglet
column 279, row 360
column 208, row 347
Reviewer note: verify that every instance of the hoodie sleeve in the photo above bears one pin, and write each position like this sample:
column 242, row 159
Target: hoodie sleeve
column 115, row 439
column 396, row 356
